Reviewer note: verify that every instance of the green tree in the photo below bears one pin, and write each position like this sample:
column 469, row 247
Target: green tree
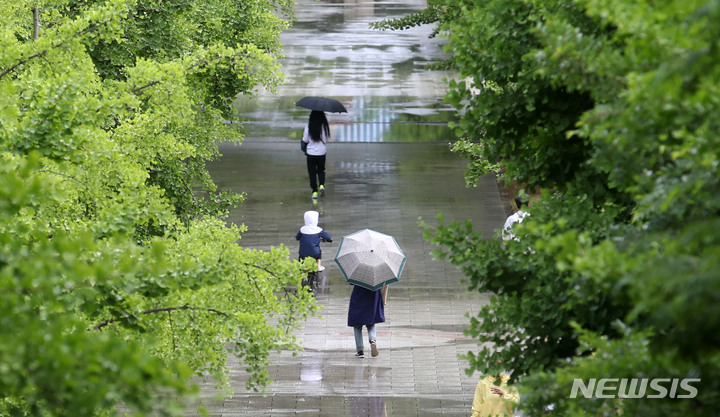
column 611, row 107
column 119, row 278
column 524, row 122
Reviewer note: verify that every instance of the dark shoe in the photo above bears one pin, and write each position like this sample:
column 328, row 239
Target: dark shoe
column 373, row 348
column 360, row 354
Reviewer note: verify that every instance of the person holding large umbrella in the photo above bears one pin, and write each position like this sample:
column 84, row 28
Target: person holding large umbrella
column 370, row 261
column 316, row 135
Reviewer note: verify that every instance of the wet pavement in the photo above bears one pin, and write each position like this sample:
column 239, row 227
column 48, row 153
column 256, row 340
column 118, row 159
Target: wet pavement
column 388, row 164
column 379, row 76
column 384, row 187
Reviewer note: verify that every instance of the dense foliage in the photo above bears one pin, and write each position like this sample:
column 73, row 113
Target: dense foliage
column 612, row 109
column 119, row 278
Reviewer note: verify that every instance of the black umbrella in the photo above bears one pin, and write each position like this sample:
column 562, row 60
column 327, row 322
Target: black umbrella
column 321, row 104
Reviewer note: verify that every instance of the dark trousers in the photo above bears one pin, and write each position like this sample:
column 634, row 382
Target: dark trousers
column 316, row 170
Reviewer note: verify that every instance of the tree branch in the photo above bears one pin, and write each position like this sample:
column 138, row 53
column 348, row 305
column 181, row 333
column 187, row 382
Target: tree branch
column 162, row 310
column 138, row 90
column 44, row 52
column 147, row 9
column 88, row 30
column 22, row 61
column 172, row 328
column 263, row 269
column 64, row 176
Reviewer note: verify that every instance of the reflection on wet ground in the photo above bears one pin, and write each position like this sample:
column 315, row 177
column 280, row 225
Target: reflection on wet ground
column 384, row 187
column 363, row 390
column 379, row 76
column 384, row 119
column 376, row 406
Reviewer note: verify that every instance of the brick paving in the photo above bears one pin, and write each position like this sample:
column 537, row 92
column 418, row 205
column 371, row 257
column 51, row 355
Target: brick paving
column 384, row 187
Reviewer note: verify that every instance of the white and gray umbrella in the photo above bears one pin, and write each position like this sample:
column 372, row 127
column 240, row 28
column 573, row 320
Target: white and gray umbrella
column 370, row 259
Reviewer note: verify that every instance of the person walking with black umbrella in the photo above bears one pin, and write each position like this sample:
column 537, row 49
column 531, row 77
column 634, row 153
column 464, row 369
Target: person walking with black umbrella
column 316, row 135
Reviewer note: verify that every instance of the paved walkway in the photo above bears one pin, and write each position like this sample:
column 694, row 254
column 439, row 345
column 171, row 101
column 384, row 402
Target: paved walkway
column 384, row 187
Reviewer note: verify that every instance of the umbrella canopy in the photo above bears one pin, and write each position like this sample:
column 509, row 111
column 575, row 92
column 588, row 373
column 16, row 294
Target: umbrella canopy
column 321, row 104
column 370, row 259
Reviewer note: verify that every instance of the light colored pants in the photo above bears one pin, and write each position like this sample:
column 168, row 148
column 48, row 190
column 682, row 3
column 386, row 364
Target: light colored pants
column 372, row 335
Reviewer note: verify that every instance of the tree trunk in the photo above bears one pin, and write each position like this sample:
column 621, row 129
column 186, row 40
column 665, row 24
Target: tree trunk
column 36, row 23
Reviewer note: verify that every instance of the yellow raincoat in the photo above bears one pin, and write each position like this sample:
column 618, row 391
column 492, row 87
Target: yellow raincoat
column 487, row 404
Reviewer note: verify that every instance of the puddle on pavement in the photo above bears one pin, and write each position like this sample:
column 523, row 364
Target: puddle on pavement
column 314, row 386
column 340, row 406
column 369, row 119
column 379, row 76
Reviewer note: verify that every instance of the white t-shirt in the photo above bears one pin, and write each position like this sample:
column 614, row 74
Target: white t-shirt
column 515, row 218
column 315, row 148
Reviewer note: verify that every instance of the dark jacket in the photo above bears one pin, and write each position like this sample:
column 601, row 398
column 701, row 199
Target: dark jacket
column 366, row 307
column 310, row 237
